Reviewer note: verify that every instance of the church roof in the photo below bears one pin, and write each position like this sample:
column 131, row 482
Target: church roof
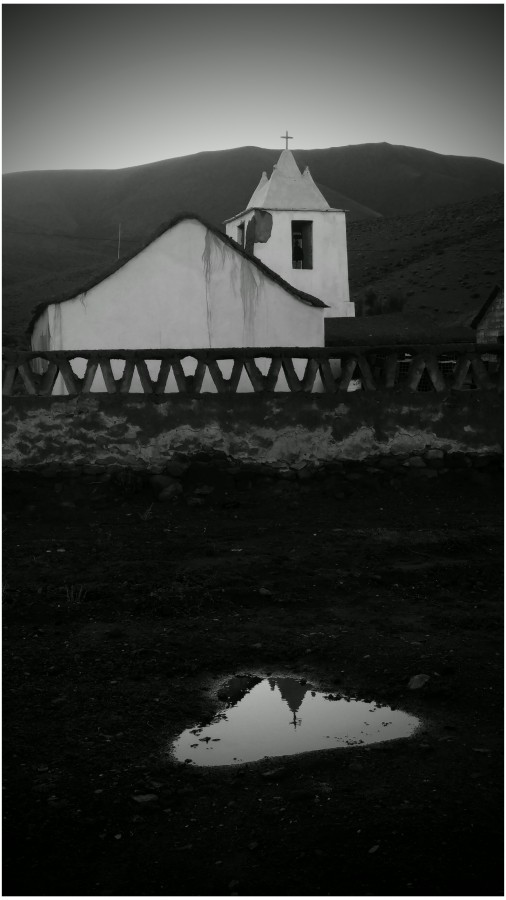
column 287, row 188
column 101, row 276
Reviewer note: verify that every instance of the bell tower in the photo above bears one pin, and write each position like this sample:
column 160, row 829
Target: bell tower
column 291, row 228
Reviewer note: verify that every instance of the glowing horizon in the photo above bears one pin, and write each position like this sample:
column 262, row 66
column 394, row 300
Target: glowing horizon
column 115, row 86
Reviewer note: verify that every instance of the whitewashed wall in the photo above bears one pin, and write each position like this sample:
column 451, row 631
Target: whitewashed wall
column 328, row 279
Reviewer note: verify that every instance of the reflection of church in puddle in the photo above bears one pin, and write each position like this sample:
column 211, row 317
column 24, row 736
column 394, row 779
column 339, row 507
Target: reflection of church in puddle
column 293, row 693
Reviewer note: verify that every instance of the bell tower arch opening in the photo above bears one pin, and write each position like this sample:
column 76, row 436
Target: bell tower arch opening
column 302, row 244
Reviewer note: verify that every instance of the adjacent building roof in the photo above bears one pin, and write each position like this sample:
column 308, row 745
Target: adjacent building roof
column 101, row 276
column 287, row 188
column 393, row 328
column 483, row 310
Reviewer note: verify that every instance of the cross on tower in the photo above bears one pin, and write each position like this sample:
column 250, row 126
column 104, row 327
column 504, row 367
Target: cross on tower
column 286, row 137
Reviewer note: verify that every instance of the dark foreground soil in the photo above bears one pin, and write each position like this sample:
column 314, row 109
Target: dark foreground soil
column 119, row 611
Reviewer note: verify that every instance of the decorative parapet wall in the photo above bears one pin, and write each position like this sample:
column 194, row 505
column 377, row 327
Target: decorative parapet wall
column 260, row 370
column 435, row 403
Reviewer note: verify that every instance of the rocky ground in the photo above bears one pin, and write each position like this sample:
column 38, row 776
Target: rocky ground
column 121, row 608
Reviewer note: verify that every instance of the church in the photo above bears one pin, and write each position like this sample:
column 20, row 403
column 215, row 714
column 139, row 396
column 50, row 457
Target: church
column 270, row 281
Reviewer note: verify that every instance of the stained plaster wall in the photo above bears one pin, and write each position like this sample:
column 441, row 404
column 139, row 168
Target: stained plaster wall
column 187, row 289
column 328, row 279
column 270, row 430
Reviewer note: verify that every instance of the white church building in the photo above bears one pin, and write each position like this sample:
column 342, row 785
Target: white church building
column 268, row 282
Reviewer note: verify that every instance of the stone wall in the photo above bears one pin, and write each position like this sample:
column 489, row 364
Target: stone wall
column 284, row 433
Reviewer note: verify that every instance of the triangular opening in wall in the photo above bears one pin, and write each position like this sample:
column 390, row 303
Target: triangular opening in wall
column 225, row 366
column 118, row 374
column 263, row 372
column 154, row 366
column 171, row 383
column 263, row 364
column 299, row 374
column 224, row 374
column 282, row 384
column 149, row 376
column 244, row 385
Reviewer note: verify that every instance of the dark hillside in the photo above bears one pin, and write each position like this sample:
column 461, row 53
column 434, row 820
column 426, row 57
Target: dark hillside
column 442, row 263
column 398, row 180
column 386, row 179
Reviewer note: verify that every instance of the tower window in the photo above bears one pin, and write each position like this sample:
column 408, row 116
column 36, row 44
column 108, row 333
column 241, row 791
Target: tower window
column 302, row 245
column 240, row 234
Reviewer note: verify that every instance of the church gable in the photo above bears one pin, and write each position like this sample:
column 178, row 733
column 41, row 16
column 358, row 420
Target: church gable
column 189, row 287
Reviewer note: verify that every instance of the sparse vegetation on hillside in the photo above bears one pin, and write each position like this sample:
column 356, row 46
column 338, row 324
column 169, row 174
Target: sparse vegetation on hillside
column 373, row 304
column 443, row 263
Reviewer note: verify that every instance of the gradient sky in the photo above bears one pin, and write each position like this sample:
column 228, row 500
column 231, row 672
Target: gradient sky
column 109, row 86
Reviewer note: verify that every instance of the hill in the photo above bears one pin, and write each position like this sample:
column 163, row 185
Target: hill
column 60, row 228
column 442, row 263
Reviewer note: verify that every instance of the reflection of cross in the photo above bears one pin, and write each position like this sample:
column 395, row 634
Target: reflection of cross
column 286, row 137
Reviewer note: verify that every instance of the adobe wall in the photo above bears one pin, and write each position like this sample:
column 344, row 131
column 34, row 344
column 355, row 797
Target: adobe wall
column 280, row 432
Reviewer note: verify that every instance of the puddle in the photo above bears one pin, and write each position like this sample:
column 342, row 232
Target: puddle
column 280, row 716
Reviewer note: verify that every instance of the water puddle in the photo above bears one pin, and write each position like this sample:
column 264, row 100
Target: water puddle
column 281, row 716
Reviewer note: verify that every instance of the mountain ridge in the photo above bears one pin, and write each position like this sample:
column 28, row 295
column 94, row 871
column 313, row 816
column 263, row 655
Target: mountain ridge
column 386, row 179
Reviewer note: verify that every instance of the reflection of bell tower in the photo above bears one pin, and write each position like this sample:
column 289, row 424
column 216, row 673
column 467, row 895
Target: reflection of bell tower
column 292, row 693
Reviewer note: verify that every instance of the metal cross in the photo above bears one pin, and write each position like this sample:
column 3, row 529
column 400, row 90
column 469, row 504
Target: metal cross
column 286, row 137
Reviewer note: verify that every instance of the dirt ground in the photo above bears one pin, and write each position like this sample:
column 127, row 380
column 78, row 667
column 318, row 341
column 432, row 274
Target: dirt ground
column 120, row 611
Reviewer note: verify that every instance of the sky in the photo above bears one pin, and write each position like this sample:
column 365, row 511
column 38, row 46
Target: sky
column 89, row 86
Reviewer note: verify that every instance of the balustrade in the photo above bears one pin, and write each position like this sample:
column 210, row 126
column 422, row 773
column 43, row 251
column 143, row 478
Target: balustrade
column 260, row 370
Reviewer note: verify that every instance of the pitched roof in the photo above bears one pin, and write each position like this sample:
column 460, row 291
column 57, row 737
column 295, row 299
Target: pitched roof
column 101, row 276
column 287, row 188
column 497, row 290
